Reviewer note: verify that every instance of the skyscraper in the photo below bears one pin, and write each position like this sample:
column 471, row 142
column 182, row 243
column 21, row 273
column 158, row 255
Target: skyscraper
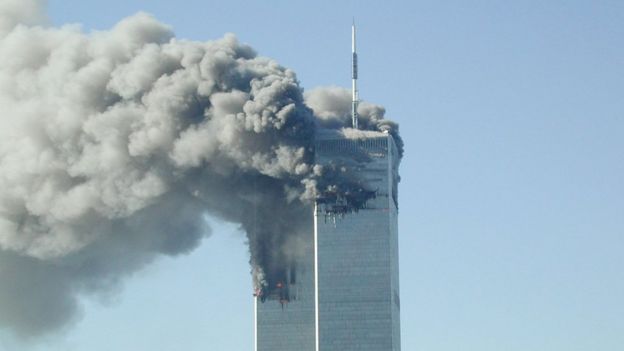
column 346, row 296
column 346, row 293
column 357, row 253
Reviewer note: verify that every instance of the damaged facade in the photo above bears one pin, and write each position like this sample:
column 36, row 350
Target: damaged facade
column 346, row 295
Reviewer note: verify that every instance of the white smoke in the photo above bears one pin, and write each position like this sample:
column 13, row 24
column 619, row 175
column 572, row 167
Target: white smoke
column 24, row 12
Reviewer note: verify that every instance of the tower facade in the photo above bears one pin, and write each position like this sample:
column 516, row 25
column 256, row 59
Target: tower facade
column 347, row 288
column 287, row 326
column 358, row 301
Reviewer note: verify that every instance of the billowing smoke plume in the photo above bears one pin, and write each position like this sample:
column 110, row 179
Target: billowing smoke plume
column 115, row 145
column 332, row 110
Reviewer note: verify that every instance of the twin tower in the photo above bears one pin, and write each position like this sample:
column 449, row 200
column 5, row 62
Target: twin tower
column 346, row 295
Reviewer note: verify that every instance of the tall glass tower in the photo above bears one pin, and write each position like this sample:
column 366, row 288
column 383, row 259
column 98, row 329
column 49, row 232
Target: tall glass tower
column 347, row 288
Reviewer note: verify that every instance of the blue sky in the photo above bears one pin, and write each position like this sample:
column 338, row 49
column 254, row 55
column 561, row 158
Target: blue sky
column 512, row 192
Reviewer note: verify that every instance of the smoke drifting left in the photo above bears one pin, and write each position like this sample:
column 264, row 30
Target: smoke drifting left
column 114, row 145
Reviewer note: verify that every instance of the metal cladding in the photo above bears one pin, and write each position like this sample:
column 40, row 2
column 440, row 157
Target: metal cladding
column 357, row 285
column 348, row 294
column 354, row 77
column 355, row 68
column 354, row 52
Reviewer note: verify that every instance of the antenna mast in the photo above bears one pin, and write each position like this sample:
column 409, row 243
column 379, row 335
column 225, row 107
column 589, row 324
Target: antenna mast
column 354, row 75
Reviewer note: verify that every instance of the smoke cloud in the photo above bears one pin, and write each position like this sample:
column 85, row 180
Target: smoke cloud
column 115, row 145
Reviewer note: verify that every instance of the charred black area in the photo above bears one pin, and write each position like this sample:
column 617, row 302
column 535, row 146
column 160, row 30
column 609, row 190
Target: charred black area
column 336, row 202
column 278, row 284
column 341, row 189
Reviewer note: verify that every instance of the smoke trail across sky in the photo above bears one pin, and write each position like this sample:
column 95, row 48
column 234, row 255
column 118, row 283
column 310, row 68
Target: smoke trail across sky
column 114, row 145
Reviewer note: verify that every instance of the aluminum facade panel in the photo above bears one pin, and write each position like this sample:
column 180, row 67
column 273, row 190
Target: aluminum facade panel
column 290, row 326
column 358, row 287
column 358, row 274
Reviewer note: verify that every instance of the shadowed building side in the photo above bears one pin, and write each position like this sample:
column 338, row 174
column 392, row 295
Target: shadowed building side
column 284, row 319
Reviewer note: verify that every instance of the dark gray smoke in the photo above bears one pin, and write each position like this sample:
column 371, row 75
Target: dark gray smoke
column 115, row 144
